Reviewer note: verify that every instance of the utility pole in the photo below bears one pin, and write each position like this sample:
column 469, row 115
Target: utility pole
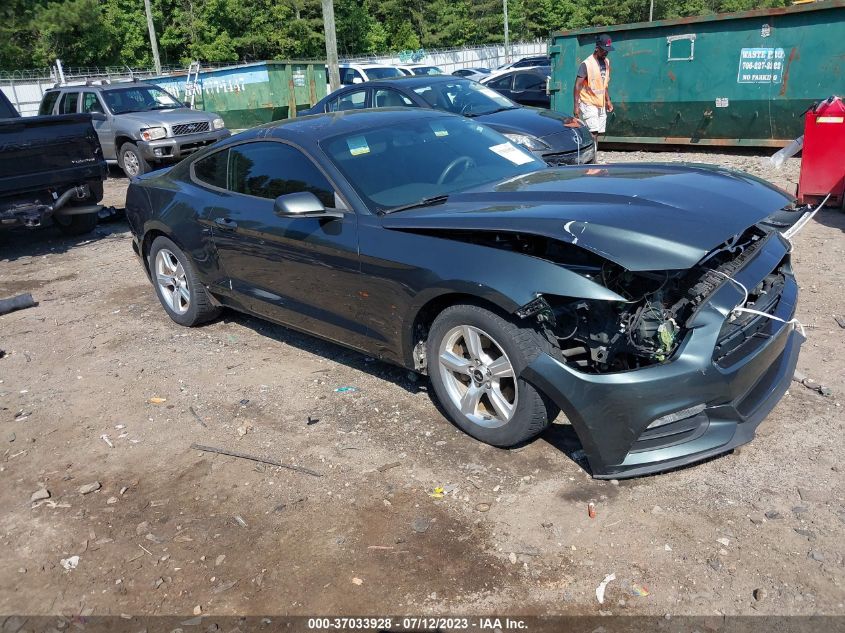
column 153, row 41
column 651, row 11
column 507, row 40
column 331, row 45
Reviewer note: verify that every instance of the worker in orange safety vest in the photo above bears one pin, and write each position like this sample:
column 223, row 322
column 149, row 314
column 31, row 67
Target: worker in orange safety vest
column 591, row 95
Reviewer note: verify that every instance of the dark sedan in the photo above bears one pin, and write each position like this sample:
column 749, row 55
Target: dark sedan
column 556, row 138
column 651, row 303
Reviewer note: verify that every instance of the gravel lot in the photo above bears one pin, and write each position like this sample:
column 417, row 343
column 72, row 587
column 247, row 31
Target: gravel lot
column 99, row 386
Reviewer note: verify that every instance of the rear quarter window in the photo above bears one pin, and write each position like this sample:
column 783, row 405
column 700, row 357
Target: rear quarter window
column 47, row 103
column 211, row 170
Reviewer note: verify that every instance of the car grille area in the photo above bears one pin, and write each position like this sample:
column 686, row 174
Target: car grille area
column 574, row 157
column 190, row 128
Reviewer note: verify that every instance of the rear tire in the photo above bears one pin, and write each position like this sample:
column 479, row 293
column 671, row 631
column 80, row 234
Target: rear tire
column 132, row 162
column 181, row 293
column 76, row 224
column 474, row 359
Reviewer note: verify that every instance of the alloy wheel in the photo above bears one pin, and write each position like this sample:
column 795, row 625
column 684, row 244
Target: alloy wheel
column 478, row 376
column 172, row 281
column 131, row 164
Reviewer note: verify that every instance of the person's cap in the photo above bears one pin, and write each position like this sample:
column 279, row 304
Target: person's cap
column 604, row 42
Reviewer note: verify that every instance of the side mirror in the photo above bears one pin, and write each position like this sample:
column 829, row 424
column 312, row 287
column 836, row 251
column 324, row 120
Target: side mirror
column 302, row 205
column 98, row 116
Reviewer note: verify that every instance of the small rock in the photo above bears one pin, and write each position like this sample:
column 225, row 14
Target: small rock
column 826, row 391
column 158, row 583
column 810, row 536
column 421, row 524
column 760, row 594
column 715, row 564
column 123, row 490
column 811, row 384
column 21, row 570
column 816, row 555
column 40, row 495
column 798, row 376
column 512, row 557
column 154, row 539
column 657, row 510
column 239, row 520
column 614, row 482
column 142, row 528
column 70, row 563
column 723, row 541
column 756, row 519
column 198, row 610
column 545, row 524
column 357, row 581
column 440, row 443
column 112, row 500
column 667, row 547
column 88, row 488
column 799, row 509
column 219, row 560
column 11, row 437
column 773, row 514
column 818, row 496
column 482, row 507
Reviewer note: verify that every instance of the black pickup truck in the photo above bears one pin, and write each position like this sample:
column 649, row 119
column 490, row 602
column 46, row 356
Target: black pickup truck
column 51, row 167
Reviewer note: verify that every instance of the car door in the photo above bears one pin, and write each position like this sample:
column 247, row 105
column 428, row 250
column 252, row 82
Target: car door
column 69, row 103
column 529, row 88
column 91, row 104
column 300, row 271
column 502, row 85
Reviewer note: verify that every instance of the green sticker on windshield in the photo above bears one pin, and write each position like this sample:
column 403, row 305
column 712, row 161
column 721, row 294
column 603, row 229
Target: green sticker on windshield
column 358, row 146
column 439, row 130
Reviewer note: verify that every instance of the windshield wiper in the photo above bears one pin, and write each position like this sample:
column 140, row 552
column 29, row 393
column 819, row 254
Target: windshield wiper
column 425, row 202
column 474, row 114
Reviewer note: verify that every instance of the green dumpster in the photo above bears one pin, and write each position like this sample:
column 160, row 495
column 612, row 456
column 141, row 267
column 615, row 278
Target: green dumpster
column 726, row 79
column 247, row 95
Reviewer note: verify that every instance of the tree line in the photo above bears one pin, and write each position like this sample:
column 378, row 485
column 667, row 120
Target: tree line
column 33, row 33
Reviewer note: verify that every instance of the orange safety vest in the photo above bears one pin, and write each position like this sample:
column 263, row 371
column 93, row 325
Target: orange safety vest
column 595, row 88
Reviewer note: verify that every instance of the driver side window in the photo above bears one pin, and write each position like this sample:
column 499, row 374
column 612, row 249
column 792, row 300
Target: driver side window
column 267, row 169
column 503, row 83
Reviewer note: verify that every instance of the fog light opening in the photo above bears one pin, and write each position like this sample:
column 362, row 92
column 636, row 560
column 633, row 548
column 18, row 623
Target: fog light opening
column 677, row 415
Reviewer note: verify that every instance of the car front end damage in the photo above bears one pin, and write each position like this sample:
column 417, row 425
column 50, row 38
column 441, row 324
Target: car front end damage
column 685, row 368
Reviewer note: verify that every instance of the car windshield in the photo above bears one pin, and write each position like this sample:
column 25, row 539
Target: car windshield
column 383, row 72
column 463, row 96
column 427, row 70
column 139, row 99
column 420, row 158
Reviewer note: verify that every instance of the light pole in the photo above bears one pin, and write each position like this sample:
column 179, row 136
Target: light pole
column 153, row 41
column 507, row 41
column 331, row 45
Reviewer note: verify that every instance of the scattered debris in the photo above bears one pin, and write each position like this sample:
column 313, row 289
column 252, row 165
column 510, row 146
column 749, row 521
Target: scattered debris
column 88, row 488
column 437, row 493
column 385, row 467
column 311, row 420
column 244, row 428
column 198, row 610
column 157, row 400
column 19, row 302
column 839, row 320
column 11, row 437
column 482, row 507
column 263, row 460
column 106, row 439
column 640, row 591
column 380, row 547
column 723, row 541
column 224, row 586
column 773, row 514
column 357, row 581
column 760, row 594
column 197, row 417
column 818, row 388
column 239, row 520
column 111, row 501
column 421, row 524
column 219, row 560
column 70, row 563
column 512, row 558
column 816, row 555
column 40, row 495
column 715, row 564
column 591, row 510
column 602, row 586
column 346, row 390
column 667, row 548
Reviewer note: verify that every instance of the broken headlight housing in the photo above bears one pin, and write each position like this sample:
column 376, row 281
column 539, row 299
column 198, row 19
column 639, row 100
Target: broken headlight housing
column 527, row 141
column 153, row 133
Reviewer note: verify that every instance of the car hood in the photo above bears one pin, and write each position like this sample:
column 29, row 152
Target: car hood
column 643, row 216
column 563, row 130
column 157, row 118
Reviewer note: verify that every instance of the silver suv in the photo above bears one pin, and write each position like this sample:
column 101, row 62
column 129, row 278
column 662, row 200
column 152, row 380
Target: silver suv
column 140, row 125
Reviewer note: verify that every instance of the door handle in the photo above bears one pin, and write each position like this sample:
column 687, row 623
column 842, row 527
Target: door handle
column 226, row 224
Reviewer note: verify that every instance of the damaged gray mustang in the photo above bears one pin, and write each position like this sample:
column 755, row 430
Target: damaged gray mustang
column 652, row 304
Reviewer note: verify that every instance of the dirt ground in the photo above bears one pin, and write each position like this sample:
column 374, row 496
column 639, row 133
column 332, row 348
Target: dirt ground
column 171, row 528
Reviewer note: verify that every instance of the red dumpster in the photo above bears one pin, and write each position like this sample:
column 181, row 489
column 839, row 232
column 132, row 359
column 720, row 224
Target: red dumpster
column 823, row 154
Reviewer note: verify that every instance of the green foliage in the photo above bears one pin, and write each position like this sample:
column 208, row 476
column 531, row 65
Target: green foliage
column 114, row 32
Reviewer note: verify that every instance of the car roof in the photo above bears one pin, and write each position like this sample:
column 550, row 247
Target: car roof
column 107, row 87
column 332, row 123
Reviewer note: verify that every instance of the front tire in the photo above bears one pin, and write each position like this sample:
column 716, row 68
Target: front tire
column 181, row 293
column 132, row 161
column 475, row 358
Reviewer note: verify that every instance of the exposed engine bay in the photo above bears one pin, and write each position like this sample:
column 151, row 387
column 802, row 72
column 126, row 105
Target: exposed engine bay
column 607, row 336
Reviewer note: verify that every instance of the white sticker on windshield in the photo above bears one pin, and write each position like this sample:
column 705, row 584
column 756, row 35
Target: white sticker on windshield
column 512, row 153
column 358, row 145
column 439, row 130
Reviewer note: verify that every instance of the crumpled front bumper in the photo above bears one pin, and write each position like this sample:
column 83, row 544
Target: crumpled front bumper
column 727, row 399
column 177, row 147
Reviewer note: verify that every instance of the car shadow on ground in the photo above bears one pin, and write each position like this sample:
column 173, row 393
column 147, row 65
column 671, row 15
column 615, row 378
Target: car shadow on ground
column 834, row 218
column 49, row 240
